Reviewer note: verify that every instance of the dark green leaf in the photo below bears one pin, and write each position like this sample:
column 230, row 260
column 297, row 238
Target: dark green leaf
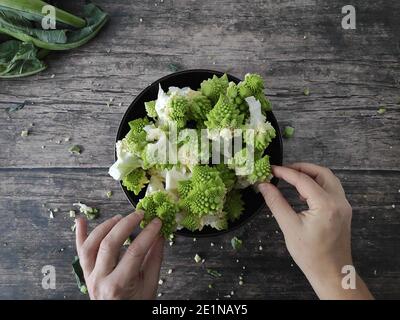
column 78, row 273
column 18, row 59
column 16, row 107
column 63, row 39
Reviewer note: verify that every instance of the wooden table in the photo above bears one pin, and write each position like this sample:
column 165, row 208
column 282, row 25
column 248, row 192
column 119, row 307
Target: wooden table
column 294, row 45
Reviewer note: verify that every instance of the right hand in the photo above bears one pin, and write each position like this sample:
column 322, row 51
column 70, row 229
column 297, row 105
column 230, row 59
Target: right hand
column 318, row 239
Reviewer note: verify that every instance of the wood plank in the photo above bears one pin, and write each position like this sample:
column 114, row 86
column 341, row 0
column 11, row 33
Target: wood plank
column 349, row 73
column 29, row 239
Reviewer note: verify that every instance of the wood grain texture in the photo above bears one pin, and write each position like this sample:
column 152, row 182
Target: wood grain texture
column 294, row 44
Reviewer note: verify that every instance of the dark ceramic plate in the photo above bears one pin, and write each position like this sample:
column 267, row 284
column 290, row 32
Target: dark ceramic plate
column 193, row 78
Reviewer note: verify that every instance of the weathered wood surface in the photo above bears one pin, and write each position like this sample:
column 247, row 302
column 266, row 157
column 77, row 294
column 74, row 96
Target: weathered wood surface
column 293, row 44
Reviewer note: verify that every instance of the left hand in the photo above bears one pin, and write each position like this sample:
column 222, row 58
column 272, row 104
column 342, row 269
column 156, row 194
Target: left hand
column 112, row 274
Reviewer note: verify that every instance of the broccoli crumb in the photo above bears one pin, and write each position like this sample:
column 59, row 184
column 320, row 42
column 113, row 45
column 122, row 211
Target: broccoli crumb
column 288, row 132
column 89, row 212
column 72, row 213
column 24, row 133
column 306, row 91
column 214, row 273
column 51, row 215
column 75, row 149
column 210, row 286
column 381, row 110
column 236, row 243
column 160, row 282
column 170, row 271
column 109, row 194
column 197, row 258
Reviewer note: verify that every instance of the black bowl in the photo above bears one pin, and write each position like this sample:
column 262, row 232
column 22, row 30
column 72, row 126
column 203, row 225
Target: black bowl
column 193, row 78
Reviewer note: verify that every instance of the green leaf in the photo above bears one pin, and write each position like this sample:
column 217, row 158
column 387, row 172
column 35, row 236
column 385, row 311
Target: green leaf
column 381, row 110
column 32, row 10
column 19, row 59
column 214, row 273
column 21, row 28
column 78, row 273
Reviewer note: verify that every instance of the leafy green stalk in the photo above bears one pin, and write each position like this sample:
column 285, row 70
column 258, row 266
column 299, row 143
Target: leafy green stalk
column 23, row 29
column 32, row 10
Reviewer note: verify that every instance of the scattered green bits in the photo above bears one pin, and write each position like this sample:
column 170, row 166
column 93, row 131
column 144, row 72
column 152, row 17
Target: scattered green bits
column 24, row 133
column 306, row 91
column 109, row 194
column 75, row 149
column 288, row 132
column 214, row 273
column 127, row 242
column 89, row 212
column 236, row 243
column 381, row 110
column 72, row 213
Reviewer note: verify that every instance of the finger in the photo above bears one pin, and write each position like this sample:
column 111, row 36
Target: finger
column 151, row 268
column 130, row 264
column 305, row 185
column 280, row 208
column 80, row 232
column 323, row 176
column 110, row 246
column 90, row 247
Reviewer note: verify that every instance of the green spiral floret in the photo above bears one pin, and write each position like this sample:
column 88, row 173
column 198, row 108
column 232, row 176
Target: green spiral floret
column 261, row 172
column 135, row 181
column 191, row 222
column 178, row 108
column 150, row 107
column 184, row 188
column 234, row 205
column 254, row 82
column 214, row 87
column 136, row 137
column 159, row 204
column 206, row 199
column 227, row 175
column 224, row 115
column 200, row 106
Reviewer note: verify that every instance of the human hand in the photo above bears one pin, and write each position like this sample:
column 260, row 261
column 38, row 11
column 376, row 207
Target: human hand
column 318, row 239
column 113, row 274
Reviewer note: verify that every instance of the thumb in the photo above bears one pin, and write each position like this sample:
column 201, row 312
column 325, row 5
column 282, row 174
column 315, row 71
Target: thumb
column 284, row 214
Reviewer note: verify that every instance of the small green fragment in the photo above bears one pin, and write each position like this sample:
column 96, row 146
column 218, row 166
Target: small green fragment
column 197, row 258
column 306, row 91
column 89, row 212
column 24, row 133
column 80, row 280
column 75, row 149
column 73, row 227
column 127, row 242
column 51, row 215
column 210, row 286
column 288, row 132
column 236, row 243
column 72, row 213
column 109, row 194
column 214, row 273
column 16, row 107
column 174, row 67
column 381, row 110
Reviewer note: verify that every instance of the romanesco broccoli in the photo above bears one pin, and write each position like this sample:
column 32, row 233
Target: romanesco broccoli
column 234, row 205
column 135, row 181
column 159, row 204
column 214, row 87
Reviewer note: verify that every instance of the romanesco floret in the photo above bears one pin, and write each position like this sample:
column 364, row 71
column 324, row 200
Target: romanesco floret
column 223, row 119
column 262, row 131
column 234, row 205
column 253, row 85
column 159, row 204
column 150, row 107
column 136, row 137
column 135, row 181
column 227, row 175
column 214, row 87
column 126, row 161
column 184, row 188
column 177, row 109
column 200, row 106
column 261, row 172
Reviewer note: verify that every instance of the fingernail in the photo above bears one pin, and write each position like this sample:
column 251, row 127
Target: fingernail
column 156, row 221
column 117, row 217
column 263, row 187
column 139, row 213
